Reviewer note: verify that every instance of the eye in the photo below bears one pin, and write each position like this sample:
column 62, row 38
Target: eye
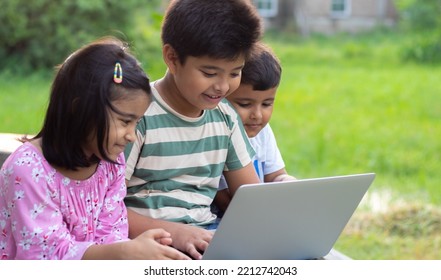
column 208, row 75
column 126, row 122
column 267, row 104
column 235, row 75
column 243, row 105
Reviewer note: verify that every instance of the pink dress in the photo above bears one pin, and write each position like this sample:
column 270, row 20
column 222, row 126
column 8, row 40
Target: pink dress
column 45, row 215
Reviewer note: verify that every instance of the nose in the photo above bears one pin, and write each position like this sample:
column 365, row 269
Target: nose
column 130, row 135
column 222, row 86
column 256, row 113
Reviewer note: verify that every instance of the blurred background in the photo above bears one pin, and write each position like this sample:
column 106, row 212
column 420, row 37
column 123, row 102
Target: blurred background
column 359, row 93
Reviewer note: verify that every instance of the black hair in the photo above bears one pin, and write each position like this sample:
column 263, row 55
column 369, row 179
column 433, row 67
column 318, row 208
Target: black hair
column 81, row 97
column 219, row 29
column 262, row 70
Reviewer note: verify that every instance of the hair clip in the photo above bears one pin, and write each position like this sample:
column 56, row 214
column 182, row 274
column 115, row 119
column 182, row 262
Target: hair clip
column 117, row 73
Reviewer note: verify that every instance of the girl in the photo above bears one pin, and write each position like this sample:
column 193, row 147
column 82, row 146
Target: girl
column 61, row 192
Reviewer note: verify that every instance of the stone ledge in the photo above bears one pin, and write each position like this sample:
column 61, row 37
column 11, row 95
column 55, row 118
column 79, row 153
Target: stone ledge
column 8, row 143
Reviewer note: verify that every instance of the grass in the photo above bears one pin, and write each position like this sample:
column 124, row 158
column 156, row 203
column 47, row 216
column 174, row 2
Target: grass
column 406, row 231
column 23, row 102
column 346, row 104
column 350, row 105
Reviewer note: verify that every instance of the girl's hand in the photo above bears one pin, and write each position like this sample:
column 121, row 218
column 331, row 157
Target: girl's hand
column 153, row 244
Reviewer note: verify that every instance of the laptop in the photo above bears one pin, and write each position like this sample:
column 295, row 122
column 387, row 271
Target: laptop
column 295, row 220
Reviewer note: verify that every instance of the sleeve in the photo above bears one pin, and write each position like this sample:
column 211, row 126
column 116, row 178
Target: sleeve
column 37, row 226
column 112, row 221
column 274, row 160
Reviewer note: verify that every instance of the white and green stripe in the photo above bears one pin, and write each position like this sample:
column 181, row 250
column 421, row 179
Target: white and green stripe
column 175, row 165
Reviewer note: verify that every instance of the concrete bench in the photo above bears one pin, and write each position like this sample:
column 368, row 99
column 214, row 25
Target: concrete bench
column 8, row 143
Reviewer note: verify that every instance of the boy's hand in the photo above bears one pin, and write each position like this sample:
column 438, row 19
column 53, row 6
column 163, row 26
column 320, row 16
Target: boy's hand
column 190, row 239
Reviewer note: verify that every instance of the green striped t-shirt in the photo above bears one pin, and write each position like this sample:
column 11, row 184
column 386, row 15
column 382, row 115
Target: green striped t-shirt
column 176, row 162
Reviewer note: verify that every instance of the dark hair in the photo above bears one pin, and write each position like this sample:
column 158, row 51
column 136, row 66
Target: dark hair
column 81, row 97
column 219, row 29
column 262, row 70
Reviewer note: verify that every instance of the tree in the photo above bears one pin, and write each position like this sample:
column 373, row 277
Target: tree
column 40, row 33
column 421, row 19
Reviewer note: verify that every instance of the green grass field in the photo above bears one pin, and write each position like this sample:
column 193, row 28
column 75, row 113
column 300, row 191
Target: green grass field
column 349, row 105
column 346, row 104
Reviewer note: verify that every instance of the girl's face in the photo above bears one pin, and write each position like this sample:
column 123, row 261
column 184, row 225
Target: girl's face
column 122, row 125
column 255, row 107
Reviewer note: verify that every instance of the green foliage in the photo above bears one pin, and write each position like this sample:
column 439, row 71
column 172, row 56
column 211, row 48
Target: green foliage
column 422, row 22
column 425, row 48
column 146, row 44
column 39, row 34
column 419, row 16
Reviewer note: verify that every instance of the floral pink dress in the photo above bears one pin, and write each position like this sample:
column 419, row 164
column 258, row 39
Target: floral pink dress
column 45, row 215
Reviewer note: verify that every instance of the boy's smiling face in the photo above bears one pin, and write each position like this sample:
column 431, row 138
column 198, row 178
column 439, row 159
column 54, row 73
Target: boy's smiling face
column 255, row 107
column 201, row 83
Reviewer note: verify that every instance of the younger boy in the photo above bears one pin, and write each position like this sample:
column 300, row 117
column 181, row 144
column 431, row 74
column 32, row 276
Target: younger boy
column 189, row 135
column 254, row 102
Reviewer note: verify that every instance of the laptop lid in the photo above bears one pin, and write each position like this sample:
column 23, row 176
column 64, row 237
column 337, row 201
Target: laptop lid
column 287, row 220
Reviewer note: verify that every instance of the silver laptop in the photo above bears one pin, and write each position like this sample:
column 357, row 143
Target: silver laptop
column 287, row 220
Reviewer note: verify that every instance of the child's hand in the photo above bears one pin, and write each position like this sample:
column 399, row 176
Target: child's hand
column 284, row 177
column 153, row 244
column 190, row 239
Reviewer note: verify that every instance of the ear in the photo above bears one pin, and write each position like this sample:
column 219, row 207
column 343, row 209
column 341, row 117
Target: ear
column 170, row 58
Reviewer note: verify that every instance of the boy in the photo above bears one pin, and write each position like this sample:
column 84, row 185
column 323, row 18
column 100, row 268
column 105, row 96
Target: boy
column 189, row 135
column 254, row 100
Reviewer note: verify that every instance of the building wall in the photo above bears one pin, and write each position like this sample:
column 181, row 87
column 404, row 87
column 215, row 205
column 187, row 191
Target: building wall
column 308, row 16
column 315, row 16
